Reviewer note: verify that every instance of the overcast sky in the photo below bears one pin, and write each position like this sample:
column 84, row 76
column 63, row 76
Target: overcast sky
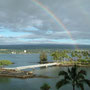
column 25, row 22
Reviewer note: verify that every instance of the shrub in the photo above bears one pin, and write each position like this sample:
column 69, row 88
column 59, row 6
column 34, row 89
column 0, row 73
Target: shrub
column 5, row 62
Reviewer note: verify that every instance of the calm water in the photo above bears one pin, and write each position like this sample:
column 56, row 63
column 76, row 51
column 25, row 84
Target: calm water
column 44, row 46
column 35, row 83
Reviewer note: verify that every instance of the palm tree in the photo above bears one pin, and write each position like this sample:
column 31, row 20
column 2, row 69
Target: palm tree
column 55, row 55
column 73, row 76
column 45, row 87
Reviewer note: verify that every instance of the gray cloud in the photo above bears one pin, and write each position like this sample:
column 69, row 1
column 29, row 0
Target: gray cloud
column 21, row 15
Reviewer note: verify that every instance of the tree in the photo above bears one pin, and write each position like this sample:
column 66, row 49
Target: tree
column 45, row 86
column 55, row 55
column 73, row 76
column 43, row 57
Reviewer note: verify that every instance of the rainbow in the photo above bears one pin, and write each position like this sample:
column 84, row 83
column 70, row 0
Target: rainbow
column 56, row 19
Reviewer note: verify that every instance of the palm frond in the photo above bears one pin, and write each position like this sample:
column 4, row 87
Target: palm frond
column 61, row 73
column 83, row 72
column 69, row 71
column 67, row 77
column 86, row 81
column 80, row 85
column 61, row 83
column 65, row 74
column 80, row 77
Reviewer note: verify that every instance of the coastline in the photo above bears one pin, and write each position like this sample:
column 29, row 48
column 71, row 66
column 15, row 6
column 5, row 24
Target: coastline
column 70, row 65
column 20, row 74
column 29, row 74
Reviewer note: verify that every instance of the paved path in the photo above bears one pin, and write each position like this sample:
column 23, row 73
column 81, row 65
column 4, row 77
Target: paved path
column 33, row 66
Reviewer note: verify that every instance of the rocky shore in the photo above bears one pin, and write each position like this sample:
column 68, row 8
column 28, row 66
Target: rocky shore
column 19, row 74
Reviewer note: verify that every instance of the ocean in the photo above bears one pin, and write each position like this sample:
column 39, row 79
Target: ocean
column 45, row 46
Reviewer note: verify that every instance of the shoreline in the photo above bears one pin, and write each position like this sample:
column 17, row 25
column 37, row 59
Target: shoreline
column 72, row 64
column 29, row 74
column 20, row 74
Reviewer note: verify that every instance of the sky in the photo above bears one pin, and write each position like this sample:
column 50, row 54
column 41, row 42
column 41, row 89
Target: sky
column 44, row 22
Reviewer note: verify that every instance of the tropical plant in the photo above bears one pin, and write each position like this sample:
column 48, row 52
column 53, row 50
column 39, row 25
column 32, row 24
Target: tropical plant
column 5, row 62
column 55, row 55
column 45, row 86
column 43, row 57
column 73, row 76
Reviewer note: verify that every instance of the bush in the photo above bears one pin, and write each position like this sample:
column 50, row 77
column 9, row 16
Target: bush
column 5, row 62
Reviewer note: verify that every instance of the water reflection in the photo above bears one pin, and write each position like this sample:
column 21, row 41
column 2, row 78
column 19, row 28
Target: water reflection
column 4, row 80
column 34, row 83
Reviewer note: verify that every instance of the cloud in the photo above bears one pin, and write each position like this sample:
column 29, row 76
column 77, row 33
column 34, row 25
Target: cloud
column 34, row 23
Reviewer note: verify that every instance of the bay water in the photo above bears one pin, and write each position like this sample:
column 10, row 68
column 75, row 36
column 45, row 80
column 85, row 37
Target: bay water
column 33, row 83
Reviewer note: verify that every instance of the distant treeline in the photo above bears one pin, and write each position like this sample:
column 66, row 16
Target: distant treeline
column 23, row 51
